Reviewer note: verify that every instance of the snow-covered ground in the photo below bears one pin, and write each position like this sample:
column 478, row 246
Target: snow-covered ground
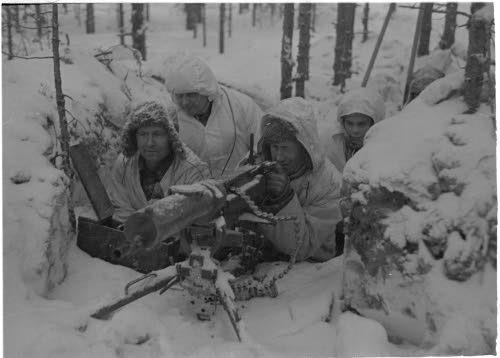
column 50, row 286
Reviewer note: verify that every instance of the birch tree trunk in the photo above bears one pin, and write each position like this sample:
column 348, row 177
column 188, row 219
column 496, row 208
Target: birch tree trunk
column 63, row 124
column 343, row 43
column 425, row 30
column 303, row 53
column 90, row 19
column 138, row 29
column 450, row 24
column 222, row 10
column 286, row 52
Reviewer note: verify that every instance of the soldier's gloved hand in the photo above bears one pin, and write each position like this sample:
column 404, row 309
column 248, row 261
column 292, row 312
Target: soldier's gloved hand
column 277, row 182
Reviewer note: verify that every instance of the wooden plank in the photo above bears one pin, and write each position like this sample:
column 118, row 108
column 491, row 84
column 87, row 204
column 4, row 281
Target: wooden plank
column 96, row 192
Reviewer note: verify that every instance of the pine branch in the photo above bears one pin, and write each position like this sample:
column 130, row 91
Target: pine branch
column 28, row 58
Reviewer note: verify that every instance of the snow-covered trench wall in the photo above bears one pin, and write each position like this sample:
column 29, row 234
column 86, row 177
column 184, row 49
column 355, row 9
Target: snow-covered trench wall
column 37, row 234
column 421, row 248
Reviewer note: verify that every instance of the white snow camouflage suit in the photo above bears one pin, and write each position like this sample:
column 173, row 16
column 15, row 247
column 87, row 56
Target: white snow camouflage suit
column 366, row 101
column 234, row 115
column 126, row 192
column 316, row 193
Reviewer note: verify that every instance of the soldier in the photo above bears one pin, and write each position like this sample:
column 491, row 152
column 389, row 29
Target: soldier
column 215, row 121
column 153, row 158
column 357, row 112
column 305, row 184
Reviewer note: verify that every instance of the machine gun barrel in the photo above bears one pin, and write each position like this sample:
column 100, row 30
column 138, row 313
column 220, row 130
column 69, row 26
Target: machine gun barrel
column 168, row 216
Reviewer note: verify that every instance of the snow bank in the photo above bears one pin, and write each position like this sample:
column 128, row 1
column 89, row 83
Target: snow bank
column 422, row 231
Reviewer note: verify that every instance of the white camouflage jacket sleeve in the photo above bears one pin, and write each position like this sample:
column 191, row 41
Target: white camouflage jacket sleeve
column 315, row 226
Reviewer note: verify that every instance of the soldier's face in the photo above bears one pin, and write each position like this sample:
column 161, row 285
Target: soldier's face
column 192, row 103
column 289, row 154
column 153, row 144
column 356, row 125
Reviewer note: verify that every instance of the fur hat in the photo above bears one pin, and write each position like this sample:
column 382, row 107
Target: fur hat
column 148, row 114
column 277, row 130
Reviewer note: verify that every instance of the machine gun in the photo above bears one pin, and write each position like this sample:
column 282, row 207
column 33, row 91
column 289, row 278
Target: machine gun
column 208, row 281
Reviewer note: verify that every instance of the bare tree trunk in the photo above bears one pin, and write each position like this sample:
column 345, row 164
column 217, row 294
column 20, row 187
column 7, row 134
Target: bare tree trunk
column 78, row 17
column 189, row 8
column 313, row 18
column 121, row 24
column 230, row 20
column 425, row 30
column 138, row 29
column 477, row 60
column 343, row 43
column 392, row 8
column 204, row 24
column 9, row 31
column 222, row 10
column 147, row 12
column 254, row 13
column 90, row 23
column 63, row 124
column 243, row 7
column 273, row 12
column 450, row 24
column 409, row 74
column 286, row 52
column 16, row 18
column 303, row 54
column 39, row 21
column 366, row 12
column 199, row 10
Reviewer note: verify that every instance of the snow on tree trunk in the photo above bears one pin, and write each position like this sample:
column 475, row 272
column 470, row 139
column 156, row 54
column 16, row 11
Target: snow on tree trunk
column 477, row 57
column 138, row 29
column 303, row 53
column 121, row 24
column 366, row 12
column 425, row 30
column 221, row 27
column 286, row 52
column 420, row 252
column 343, row 43
column 90, row 23
column 6, row 9
column 450, row 24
